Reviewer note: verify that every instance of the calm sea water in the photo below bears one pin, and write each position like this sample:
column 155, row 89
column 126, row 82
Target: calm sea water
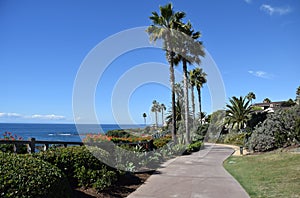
column 58, row 132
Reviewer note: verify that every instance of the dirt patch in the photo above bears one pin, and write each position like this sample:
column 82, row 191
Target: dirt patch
column 122, row 188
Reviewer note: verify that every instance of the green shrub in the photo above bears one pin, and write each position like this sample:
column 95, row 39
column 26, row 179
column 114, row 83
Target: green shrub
column 278, row 130
column 80, row 165
column 194, row 147
column 235, row 139
column 99, row 179
column 25, row 176
column 118, row 133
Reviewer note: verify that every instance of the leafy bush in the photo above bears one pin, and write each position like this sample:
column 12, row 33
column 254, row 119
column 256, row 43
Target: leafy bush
column 118, row 133
column 25, row 176
column 81, row 166
column 193, row 147
column 235, row 139
column 278, row 130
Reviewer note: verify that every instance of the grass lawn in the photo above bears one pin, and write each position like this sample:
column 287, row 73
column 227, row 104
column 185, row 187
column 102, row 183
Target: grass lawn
column 267, row 175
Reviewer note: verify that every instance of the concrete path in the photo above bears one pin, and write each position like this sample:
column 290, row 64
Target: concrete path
column 200, row 175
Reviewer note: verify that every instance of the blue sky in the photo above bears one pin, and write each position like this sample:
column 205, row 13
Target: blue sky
column 255, row 45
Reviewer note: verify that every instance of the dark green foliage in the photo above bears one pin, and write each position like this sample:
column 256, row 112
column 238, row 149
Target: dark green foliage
column 280, row 129
column 99, row 179
column 80, row 165
column 194, row 146
column 202, row 129
column 258, row 117
column 9, row 148
column 118, row 133
column 238, row 112
column 25, row 176
column 297, row 130
column 288, row 103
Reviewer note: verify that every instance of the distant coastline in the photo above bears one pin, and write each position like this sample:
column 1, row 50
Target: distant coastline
column 60, row 132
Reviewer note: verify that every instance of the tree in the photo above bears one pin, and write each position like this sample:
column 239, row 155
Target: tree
column 251, row 96
column 179, row 97
column 144, row 116
column 238, row 112
column 162, row 28
column 298, row 96
column 267, row 100
column 192, row 86
column 155, row 108
column 178, row 113
column 163, row 108
column 198, row 77
column 188, row 54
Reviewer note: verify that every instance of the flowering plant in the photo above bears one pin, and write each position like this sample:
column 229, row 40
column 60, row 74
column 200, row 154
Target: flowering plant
column 9, row 136
column 9, row 148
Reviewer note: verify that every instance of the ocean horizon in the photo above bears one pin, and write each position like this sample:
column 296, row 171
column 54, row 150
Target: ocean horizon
column 60, row 132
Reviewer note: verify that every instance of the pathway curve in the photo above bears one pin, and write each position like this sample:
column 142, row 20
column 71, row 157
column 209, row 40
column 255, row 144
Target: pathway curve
column 200, row 175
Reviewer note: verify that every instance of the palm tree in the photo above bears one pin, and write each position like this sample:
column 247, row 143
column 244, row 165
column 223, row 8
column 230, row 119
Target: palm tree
column 298, row 96
column 162, row 28
column 179, row 96
column 198, row 77
column 162, row 108
column 267, row 100
column 178, row 113
column 188, row 54
column 238, row 112
column 192, row 86
column 155, row 108
column 251, row 96
column 144, row 116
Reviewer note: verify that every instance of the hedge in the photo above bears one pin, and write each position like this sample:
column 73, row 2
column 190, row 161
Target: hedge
column 25, row 176
column 80, row 166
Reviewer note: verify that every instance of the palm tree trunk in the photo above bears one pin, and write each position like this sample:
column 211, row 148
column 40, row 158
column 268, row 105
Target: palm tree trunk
column 193, row 101
column 186, row 100
column 172, row 82
column 199, row 98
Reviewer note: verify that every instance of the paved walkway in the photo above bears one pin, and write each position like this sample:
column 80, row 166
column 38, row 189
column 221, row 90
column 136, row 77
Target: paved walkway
column 200, row 175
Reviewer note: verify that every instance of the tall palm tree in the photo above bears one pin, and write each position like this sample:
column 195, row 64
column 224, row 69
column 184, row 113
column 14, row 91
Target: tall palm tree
column 250, row 96
column 178, row 87
column 162, row 28
column 162, row 108
column 192, row 86
column 144, row 116
column 155, row 108
column 298, row 96
column 199, row 78
column 238, row 112
column 188, row 54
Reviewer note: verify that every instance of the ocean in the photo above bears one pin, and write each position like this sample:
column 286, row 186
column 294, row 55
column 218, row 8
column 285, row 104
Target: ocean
column 58, row 132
